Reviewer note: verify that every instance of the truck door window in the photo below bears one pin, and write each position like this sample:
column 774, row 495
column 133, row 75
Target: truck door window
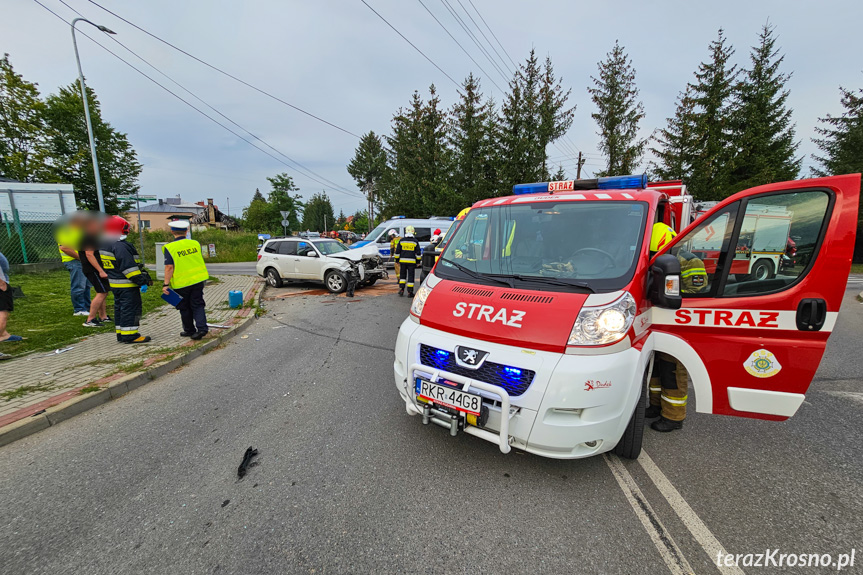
column 778, row 238
column 702, row 253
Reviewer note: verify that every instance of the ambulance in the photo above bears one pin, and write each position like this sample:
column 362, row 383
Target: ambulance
column 537, row 327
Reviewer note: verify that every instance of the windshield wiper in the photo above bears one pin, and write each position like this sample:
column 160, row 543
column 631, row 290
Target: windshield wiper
column 553, row 282
column 474, row 274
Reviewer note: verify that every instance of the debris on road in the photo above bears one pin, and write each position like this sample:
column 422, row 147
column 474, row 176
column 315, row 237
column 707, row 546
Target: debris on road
column 247, row 460
column 219, row 326
column 60, row 350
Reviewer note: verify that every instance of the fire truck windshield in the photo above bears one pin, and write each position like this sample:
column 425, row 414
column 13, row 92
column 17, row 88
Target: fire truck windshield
column 550, row 246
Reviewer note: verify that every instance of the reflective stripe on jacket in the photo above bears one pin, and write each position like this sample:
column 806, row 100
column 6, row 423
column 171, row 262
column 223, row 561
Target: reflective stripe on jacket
column 408, row 251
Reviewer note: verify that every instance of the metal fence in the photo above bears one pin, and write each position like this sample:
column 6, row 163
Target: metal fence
column 28, row 237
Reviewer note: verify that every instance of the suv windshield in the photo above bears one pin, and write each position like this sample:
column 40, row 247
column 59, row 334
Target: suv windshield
column 554, row 246
column 328, row 247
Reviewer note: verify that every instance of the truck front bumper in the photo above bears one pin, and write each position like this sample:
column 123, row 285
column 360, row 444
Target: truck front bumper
column 576, row 406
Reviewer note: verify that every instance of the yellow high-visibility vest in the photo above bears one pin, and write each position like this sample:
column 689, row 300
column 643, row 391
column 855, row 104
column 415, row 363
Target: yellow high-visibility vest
column 189, row 266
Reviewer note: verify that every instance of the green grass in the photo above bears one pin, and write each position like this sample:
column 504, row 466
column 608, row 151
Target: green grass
column 44, row 317
column 22, row 391
column 857, row 268
column 230, row 246
column 89, row 389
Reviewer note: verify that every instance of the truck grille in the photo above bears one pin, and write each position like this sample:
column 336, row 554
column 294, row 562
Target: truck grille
column 514, row 380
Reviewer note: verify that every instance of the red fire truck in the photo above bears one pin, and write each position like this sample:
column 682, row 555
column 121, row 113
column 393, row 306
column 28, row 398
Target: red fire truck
column 537, row 328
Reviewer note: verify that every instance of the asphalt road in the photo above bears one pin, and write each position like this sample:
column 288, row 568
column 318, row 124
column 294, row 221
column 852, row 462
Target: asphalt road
column 346, row 482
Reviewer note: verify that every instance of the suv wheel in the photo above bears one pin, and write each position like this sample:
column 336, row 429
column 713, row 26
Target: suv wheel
column 335, row 281
column 273, row 278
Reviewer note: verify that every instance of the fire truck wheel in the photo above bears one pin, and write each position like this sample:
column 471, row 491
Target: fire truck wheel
column 629, row 445
column 762, row 270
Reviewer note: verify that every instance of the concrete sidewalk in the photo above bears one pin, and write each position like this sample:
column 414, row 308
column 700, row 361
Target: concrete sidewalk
column 39, row 382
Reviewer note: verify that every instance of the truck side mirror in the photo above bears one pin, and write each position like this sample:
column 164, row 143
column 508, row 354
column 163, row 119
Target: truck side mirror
column 665, row 291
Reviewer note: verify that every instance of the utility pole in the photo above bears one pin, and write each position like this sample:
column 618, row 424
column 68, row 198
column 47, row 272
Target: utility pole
column 370, row 193
column 578, row 169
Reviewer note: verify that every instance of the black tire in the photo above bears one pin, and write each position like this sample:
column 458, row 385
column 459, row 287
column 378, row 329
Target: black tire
column 629, row 445
column 335, row 281
column 273, row 278
column 762, row 270
column 370, row 282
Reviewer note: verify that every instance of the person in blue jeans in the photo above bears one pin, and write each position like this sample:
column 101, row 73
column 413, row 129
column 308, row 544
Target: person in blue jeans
column 69, row 237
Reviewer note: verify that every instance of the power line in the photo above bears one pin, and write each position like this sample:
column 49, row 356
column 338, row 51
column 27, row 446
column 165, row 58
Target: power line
column 299, row 166
column 459, row 45
column 493, row 35
column 189, row 103
column 219, row 70
column 409, row 42
column 486, row 37
column 473, row 39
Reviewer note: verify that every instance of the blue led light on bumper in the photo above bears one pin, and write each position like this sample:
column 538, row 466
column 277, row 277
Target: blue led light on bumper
column 623, row 182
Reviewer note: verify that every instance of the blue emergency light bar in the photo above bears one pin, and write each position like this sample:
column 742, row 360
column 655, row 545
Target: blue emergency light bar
column 632, row 182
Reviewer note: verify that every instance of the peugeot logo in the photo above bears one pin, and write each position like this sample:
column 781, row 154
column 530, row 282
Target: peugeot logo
column 469, row 357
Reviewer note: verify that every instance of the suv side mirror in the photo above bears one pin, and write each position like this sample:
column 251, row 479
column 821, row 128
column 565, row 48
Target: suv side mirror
column 314, row 254
column 665, row 291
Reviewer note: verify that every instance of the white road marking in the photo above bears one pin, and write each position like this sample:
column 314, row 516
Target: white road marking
column 696, row 526
column 668, row 549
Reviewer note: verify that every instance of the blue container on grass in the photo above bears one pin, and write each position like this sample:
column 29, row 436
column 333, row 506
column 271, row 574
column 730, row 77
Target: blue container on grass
column 235, row 298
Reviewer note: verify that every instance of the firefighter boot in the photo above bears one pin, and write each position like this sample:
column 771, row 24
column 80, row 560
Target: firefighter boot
column 654, row 389
column 139, row 339
column 665, row 425
column 401, row 291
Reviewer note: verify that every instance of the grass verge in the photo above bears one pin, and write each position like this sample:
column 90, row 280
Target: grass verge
column 44, row 315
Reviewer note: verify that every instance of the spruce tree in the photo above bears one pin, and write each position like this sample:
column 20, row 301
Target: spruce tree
column 712, row 93
column 764, row 136
column 618, row 113
column 23, row 133
column 674, row 153
column 841, row 138
column 368, row 164
column 471, row 137
column 554, row 117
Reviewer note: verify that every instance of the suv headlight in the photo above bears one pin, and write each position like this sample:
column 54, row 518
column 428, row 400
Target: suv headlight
column 420, row 298
column 603, row 324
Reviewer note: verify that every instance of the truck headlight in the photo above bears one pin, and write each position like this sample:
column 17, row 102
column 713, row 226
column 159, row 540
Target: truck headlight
column 603, row 324
column 420, row 298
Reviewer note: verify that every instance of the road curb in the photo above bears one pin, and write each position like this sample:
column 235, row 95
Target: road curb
column 118, row 387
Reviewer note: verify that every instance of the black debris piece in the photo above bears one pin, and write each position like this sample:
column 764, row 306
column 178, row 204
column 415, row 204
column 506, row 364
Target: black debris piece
column 225, row 502
column 247, row 460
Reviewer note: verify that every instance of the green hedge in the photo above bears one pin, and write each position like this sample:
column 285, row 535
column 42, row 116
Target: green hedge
column 230, row 246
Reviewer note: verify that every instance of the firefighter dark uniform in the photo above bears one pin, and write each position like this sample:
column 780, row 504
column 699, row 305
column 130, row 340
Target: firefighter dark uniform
column 669, row 382
column 126, row 275
column 408, row 254
column 190, row 273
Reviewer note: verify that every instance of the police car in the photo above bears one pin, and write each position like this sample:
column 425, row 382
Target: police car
column 537, row 327
column 424, row 229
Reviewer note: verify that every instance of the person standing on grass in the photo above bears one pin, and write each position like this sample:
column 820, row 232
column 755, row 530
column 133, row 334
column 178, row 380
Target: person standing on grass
column 95, row 274
column 68, row 241
column 185, row 273
column 5, row 305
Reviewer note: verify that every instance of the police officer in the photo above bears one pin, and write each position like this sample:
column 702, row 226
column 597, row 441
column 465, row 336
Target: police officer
column 669, row 383
column 407, row 254
column 185, row 273
column 126, row 278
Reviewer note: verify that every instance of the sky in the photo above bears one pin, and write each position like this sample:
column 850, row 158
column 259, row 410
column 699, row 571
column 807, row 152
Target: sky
column 338, row 60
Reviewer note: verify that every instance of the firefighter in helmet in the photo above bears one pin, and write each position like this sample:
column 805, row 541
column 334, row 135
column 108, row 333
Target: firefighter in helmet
column 126, row 278
column 407, row 254
column 393, row 236
column 669, row 382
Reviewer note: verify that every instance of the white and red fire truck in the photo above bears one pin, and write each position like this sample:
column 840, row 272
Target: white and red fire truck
column 537, row 327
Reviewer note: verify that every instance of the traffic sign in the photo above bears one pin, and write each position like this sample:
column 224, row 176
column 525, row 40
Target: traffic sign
column 285, row 223
column 285, row 214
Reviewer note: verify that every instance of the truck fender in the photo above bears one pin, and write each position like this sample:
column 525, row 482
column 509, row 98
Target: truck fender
column 677, row 347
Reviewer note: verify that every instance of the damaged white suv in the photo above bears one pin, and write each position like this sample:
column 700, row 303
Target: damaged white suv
column 318, row 259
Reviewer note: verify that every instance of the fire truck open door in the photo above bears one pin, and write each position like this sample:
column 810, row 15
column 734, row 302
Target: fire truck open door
column 752, row 344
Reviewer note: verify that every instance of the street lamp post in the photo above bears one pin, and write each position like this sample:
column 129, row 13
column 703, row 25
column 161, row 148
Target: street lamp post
column 87, row 109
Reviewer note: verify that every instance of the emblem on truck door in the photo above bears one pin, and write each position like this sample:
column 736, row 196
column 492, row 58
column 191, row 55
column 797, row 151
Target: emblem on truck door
column 469, row 357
